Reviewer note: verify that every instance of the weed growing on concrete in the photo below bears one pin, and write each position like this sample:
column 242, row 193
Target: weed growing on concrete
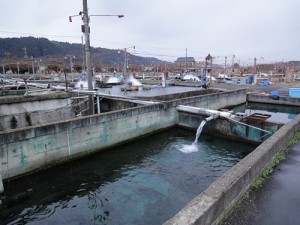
column 257, row 183
column 294, row 139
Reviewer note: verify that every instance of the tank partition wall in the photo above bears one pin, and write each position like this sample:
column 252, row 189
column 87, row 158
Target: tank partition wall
column 211, row 206
column 27, row 149
column 23, row 111
column 109, row 104
column 282, row 100
column 214, row 101
column 12, row 92
column 228, row 129
column 182, row 95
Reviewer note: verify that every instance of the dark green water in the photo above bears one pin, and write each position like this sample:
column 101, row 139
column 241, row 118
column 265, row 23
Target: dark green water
column 144, row 182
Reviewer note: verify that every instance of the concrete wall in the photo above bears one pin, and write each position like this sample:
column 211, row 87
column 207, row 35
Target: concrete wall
column 25, row 150
column 25, row 111
column 215, row 202
column 267, row 99
column 28, row 149
column 108, row 105
column 228, row 129
column 216, row 101
column 180, row 95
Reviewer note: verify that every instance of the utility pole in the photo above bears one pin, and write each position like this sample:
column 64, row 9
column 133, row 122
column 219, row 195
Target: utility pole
column 25, row 53
column 255, row 77
column 18, row 68
column 186, row 60
column 233, row 63
column 225, row 64
column 126, row 59
column 8, row 54
column 125, row 63
column 83, row 56
column 33, row 73
column 86, row 30
column 211, row 70
column 254, row 66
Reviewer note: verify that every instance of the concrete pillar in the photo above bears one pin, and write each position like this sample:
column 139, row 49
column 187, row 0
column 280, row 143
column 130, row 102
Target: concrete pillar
column 1, row 185
column 98, row 104
column 163, row 80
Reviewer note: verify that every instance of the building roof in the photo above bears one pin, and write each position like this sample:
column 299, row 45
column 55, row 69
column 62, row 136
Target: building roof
column 185, row 59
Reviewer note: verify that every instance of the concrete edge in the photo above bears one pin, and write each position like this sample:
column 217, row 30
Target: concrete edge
column 1, row 184
column 214, row 203
column 282, row 100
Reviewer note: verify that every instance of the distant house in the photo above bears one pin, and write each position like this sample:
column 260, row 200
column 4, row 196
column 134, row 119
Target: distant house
column 185, row 63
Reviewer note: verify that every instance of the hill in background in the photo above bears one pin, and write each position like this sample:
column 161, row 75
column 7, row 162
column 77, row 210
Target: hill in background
column 26, row 49
column 25, row 52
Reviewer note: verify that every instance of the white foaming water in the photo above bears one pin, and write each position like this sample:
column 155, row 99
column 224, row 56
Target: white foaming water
column 194, row 146
column 188, row 148
column 133, row 81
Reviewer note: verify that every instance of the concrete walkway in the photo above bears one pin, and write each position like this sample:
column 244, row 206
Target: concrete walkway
column 278, row 201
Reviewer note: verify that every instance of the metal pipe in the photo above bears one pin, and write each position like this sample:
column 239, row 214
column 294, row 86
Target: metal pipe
column 212, row 117
column 203, row 111
column 213, row 114
column 250, row 126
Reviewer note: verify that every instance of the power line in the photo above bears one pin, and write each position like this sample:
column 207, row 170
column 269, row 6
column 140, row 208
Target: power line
column 40, row 35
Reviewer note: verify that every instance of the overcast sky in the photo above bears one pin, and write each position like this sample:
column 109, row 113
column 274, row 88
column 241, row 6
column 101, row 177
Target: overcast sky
column 266, row 29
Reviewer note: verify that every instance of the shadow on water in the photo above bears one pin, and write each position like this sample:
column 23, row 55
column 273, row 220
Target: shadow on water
column 143, row 182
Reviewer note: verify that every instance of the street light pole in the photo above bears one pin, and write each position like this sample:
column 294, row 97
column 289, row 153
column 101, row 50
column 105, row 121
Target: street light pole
column 86, row 31
column 88, row 55
column 225, row 65
column 83, row 56
column 211, row 70
column 254, row 66
column 232, row 65
column 18, row 68
column 125, row 63
column 33, row 73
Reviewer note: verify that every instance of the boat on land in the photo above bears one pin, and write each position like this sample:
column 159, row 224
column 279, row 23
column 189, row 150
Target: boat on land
column 223, row 76
column 115, row 80
column 190, row 77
